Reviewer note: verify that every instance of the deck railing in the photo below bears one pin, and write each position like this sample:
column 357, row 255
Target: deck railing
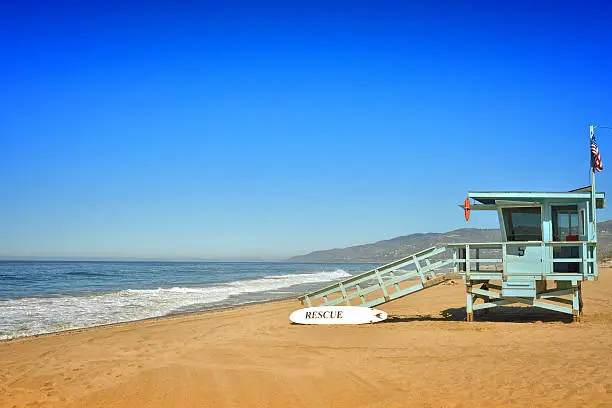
column 466, row 258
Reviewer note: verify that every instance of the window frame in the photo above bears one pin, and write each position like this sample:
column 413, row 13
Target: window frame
column 580, row 214
column 505, row 237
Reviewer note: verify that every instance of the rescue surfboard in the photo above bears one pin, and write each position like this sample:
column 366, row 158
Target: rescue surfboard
column 337, row 315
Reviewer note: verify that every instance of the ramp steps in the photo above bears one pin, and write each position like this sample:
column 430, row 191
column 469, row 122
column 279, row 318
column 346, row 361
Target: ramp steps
column 383, row 284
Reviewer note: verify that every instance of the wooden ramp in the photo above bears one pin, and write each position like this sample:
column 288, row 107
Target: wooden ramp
column 385, row 283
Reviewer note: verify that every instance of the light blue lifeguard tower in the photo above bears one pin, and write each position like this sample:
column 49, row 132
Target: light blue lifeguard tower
column 548, row 248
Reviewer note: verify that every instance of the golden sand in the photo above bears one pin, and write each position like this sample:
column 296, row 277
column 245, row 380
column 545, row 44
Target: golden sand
column 425, row 355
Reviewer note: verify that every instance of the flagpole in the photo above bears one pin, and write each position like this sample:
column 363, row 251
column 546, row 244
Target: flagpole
column 593, row 203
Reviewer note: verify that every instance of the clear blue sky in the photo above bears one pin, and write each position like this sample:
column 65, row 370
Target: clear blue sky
column 244, row 131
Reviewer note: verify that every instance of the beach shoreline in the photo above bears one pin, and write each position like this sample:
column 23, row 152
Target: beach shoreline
column 205, row 310
column 77, row 295
column 251, row 355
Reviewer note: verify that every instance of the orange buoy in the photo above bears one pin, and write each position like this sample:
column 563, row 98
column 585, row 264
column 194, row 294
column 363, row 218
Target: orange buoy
column 466, row 209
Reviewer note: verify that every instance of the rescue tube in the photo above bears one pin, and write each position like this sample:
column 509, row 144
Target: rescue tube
column 466, row 209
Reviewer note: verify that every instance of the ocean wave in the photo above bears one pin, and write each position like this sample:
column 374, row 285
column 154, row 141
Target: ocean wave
column 31, row 316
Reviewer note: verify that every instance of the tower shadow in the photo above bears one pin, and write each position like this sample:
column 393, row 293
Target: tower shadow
column 501, row 314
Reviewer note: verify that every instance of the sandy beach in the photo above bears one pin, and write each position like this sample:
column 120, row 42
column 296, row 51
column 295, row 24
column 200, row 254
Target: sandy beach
column 425, row 355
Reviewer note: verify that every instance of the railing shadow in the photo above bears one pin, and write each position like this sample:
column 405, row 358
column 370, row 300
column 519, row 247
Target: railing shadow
column 501, row 314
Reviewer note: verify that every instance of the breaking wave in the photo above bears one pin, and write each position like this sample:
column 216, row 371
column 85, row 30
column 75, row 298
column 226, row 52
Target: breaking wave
column 31, row 316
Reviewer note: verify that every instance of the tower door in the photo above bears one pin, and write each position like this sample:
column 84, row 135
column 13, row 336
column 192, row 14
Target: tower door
column 523, row 224
column 567, row 227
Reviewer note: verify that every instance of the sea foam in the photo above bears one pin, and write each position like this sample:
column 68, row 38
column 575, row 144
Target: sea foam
column 38, row 315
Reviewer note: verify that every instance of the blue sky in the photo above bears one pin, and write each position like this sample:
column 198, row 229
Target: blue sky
column 266, row 130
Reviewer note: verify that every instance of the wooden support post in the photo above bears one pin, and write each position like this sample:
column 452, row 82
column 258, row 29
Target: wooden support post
column 547, row 261
column 585, row 254
column 594, row 257
column 575, row 302
column 580, row 304
column 469, row 304
column 504, row 258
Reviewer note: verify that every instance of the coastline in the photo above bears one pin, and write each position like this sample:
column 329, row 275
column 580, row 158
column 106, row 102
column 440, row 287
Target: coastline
column 425, row 354
column 82, row 295
column 211, row 309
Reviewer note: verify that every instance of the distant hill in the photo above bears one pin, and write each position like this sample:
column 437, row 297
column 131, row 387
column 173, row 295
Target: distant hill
column 391, row 249
column 604, row 238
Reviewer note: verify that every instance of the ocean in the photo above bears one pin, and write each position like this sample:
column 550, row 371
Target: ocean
column 45, row 297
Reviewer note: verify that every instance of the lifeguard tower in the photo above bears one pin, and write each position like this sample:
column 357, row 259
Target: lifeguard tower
column 548, row 248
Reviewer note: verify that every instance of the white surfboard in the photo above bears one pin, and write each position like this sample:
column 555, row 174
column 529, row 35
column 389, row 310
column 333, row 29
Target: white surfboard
column 337, row 315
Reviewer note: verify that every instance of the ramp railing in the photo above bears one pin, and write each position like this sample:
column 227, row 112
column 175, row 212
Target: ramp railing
column 385, row 283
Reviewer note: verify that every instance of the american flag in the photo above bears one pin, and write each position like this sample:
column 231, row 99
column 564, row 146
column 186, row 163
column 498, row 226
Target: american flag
column 595, row 157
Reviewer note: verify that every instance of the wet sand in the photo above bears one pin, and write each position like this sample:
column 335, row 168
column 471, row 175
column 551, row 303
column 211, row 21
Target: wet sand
column 425, row 355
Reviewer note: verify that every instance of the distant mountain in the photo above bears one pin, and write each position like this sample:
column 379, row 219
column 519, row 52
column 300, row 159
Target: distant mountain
column 391, row 249
column 604, row 238
column 395, row 248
